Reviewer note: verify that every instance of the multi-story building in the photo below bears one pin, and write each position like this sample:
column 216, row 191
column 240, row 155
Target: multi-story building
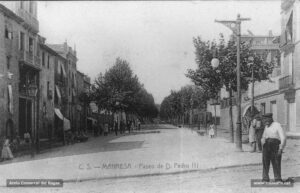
column 20, row 69
column 70, row 70
column 47, row 86
column 289, row 82
column 83, row 89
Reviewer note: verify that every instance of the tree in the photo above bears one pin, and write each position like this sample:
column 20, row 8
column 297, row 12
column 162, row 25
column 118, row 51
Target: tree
column 178, row 102
column 119, row 89
column 212, row 80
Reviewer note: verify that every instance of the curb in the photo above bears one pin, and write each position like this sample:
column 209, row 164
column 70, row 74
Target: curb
column 161, row 174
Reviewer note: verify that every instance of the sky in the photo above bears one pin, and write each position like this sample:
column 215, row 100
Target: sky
column 155, row 37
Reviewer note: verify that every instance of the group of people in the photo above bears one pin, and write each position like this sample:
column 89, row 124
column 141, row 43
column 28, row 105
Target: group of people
column 116, row 127
column 129, row 125
column 267, row 136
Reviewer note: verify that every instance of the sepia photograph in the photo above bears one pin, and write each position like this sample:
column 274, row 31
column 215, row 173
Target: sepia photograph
column 150, row 96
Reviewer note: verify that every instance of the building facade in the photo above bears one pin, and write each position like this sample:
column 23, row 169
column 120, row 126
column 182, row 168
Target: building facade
column 69, row 89
column 38, row 81
column 289, row 82
column 20, row 69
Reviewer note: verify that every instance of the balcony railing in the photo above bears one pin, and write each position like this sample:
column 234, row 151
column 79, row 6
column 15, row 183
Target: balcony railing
column 286, row 82
column 29, row 58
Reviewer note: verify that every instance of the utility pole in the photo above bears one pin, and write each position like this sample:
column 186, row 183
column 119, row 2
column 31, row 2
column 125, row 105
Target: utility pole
column 235, row 26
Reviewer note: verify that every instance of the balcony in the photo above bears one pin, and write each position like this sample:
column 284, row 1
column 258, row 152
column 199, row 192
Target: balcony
column 28, row 58
column 286, row 83
column 60, row 80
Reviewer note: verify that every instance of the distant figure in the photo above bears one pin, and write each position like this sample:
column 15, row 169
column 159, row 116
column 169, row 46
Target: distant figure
column 139, row 124
column 211, row 131
column 252, row 137
column 106, row 129
column 116, row 127
column 6, row 152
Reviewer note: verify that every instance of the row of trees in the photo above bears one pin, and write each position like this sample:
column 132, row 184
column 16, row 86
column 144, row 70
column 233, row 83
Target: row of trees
column 178, row 102
column 119, row 89
column 212, row 79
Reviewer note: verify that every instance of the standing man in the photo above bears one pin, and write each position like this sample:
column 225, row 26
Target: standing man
column 273, row 142
column 259, row 130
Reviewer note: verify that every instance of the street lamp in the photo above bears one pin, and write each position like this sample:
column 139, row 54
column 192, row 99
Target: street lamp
column 235, row 27
column 215, row 63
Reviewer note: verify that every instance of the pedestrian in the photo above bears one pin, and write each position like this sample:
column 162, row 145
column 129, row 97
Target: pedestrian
column 273, row 142
column 116, row 127
column 252, row 137
column 6, row 152
column 259, row 130
column 139, row 125
column 211, row 131
column 106, row 129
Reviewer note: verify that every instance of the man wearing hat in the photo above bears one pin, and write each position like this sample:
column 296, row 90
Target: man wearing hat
column 273, row 142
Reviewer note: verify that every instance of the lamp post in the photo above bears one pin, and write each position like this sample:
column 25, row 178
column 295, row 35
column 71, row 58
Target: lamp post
column 235, row 26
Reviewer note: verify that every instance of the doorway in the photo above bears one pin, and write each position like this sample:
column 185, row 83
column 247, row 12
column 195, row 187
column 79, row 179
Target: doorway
column 25, row 116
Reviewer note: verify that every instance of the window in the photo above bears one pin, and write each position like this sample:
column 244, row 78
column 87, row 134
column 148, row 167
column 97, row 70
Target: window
column 8, row 33
column 263, row 108
column 8, row 62
column 48, row 87
column 48, row 61
column 30, row 45
column 22, row 41
column 43, row 58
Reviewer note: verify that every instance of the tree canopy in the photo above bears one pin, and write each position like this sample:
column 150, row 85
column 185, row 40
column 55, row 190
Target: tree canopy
column 178, row 102
column 212, row 80
column 119, row 89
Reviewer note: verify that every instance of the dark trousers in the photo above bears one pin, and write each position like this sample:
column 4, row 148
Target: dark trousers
column 116, row 130
column 259, row 133
column 270, row 154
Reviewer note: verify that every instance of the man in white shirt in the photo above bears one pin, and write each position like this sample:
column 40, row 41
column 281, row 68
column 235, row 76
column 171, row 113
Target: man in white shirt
column 273, row 142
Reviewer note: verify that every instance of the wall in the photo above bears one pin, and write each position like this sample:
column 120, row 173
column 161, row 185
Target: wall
column 9, row 47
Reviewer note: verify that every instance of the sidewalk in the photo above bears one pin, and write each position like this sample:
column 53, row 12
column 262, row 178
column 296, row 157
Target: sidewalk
column 171, row 150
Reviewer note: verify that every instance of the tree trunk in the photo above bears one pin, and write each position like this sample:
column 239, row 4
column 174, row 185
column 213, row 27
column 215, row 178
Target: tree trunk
column 215, row 107
column 230, row 117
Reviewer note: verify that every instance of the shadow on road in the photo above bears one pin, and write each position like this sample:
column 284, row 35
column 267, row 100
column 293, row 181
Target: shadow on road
column 93, row 145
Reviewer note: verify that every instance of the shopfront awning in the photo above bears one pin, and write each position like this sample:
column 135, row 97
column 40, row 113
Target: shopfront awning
column 63, row 70
column 58, row 92
column 66, row 122
column 58, row 113
column 67, row 125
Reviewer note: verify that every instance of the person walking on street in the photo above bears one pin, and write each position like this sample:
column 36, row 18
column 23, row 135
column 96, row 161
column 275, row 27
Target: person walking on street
column 105, row 129
column 252, row 137
column 116, row 127
column 273, row 142
column 211, row 131
column 259, row 130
